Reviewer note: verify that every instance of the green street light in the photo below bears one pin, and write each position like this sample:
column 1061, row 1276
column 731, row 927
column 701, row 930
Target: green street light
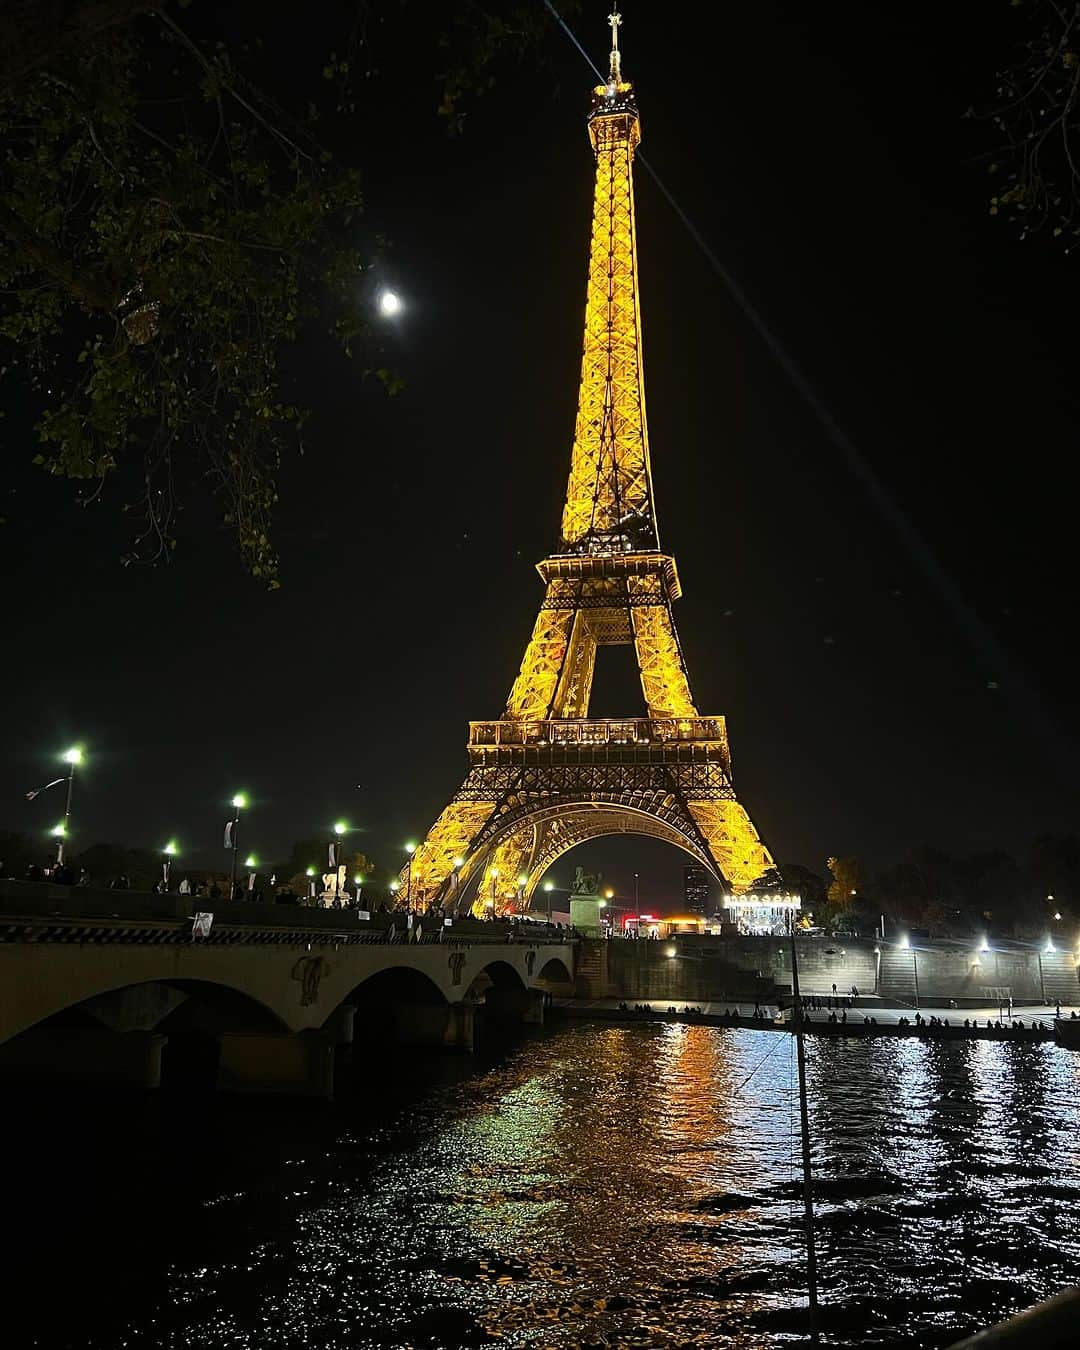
column 523, row 880
column 171, row 849
column 240, row 801
column 358, row 881
column 251, row 860
column 340, row 827
column 74, row 755
column 310, row 872
column 410, row 848
column 395, row 885
column 549, row 886
column 58, row 830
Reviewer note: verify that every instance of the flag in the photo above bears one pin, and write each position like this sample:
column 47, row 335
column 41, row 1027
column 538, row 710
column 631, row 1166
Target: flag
column 38, row 791
column 230, row 834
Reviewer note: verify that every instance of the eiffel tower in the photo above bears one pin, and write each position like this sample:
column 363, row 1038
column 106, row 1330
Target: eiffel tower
column 546, row 776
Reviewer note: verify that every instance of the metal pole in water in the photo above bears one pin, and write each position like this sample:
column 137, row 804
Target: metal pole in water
column 808, row 1194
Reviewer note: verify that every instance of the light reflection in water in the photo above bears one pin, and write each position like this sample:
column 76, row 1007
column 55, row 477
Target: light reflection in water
column 633, row 1187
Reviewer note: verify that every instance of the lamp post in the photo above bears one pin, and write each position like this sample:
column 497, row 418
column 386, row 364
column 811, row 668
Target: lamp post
column 523, row 881
column 494, row 874
column 637, row 906
column 251, row 862
column 548, row 888
column 410, row 849
column 168, row 853
column 334, row 858
column 71, row 758
column 310, row 874
column 238, row 804
column 455, row 883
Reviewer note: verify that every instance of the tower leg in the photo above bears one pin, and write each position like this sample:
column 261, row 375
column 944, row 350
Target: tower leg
column 733, row 841
column 430, row 876
column 663, row 676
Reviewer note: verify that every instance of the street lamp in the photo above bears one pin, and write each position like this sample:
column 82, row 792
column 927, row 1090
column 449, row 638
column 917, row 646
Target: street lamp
column 494, row 874
column 410, row 849
column 549, row 886
column 168, row 853
column 523, row 881
column 239, row 803
column 637, row 905
column 251, row 862
column 310, row 874
column 71, row 758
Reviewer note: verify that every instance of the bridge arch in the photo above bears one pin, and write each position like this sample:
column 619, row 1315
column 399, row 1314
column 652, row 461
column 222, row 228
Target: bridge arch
column 125, row 999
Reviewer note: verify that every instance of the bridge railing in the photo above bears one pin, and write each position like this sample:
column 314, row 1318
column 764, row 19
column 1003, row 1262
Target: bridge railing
column 75, row 906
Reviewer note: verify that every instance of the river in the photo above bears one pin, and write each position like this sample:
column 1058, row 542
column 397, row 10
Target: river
column 595, row 1185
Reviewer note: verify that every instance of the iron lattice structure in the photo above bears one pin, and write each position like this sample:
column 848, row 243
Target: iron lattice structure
column 547, row 777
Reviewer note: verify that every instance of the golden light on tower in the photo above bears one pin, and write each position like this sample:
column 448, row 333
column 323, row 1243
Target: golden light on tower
column 546, row 776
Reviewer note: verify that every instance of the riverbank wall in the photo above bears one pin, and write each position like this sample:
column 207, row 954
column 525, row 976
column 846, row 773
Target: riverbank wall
column 689, row 969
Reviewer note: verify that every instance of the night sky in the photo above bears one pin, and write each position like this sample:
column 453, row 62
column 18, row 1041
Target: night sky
column 823, row 155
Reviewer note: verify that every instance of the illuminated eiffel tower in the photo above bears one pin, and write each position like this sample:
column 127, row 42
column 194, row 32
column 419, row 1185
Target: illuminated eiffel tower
column 547, row 776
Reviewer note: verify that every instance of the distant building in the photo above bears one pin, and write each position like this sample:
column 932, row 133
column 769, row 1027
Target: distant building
column 697, row 884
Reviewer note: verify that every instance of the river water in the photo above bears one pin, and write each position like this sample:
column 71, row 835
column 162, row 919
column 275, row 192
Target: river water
column 595, row 1185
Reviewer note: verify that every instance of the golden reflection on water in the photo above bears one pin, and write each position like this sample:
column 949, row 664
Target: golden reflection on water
column 640, row 1187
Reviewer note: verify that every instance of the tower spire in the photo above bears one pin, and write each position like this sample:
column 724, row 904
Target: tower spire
column 609, row 499
column 615, row 20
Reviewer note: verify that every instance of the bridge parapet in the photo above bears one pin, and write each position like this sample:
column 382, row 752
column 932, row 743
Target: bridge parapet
column 36, row 912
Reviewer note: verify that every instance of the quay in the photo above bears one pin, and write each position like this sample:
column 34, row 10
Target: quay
column 1034, row 1025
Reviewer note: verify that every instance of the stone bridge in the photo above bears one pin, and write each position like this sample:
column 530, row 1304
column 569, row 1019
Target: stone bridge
column 114, row 985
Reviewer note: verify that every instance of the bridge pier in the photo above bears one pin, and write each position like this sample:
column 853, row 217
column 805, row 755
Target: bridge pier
column 450, row 1025
column 533, row 1012
column 300, row 1065
column 82, row 1054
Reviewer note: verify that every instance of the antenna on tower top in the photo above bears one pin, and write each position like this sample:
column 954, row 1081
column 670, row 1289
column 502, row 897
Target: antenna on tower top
column 615, row 20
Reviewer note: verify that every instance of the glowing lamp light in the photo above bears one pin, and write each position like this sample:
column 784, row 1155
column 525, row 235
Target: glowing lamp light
column 459, row 862
column 74, row 755
column 523, row 880
column 240, row 800
column 394, row 885
column 603, row 904
column 250, row 860
column 310, row 872
column 58, row 830
column 358, row 881
column 340, row 827
column 903, row 944
column 984, row 946
column 410, row 847
column 609, row 894
column 1057, row 914
column 548, row 886
column 389, row 304
column 171, row 849
column 669, row 951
